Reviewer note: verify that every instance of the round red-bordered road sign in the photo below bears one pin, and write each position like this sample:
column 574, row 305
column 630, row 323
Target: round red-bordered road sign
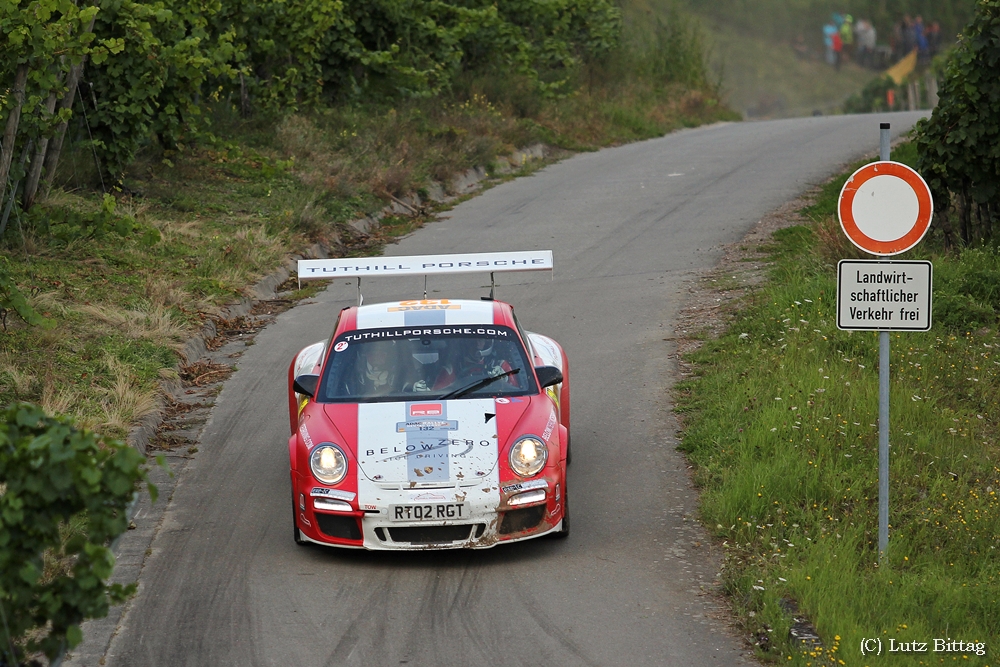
column 885, row 208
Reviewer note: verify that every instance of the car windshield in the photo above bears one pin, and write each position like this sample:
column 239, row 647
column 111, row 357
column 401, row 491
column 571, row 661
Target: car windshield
column 420, row 363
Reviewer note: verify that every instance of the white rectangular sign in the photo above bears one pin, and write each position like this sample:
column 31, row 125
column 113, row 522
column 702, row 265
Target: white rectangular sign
column 421, row 265
column 881, row 295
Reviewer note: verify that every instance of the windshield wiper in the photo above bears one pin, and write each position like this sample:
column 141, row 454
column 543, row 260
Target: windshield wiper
column 478, row 384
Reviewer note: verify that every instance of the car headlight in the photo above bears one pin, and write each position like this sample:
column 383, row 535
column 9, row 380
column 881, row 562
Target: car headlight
column 328, row 463
column 528, row 456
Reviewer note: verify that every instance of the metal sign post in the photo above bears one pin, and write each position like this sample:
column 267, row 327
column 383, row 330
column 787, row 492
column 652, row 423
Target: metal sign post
column 883, row 403
column 885, row 208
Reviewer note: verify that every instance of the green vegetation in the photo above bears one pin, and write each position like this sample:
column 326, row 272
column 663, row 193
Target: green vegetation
column 781, row 422
column 64, row 494
column 156, row 69
column 958, row 145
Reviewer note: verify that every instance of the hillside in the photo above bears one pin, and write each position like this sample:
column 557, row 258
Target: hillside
column 768, row 56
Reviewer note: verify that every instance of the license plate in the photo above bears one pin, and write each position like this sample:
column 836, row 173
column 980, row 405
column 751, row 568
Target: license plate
column 428, row 512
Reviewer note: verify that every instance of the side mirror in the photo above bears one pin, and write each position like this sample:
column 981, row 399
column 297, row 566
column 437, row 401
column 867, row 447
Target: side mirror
column 306, row 384
column 548, row 375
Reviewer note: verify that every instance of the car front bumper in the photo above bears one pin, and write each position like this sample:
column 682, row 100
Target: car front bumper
column 488, row 519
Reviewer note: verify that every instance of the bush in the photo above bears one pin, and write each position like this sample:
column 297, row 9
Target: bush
column 959, row 146
column 63, row 495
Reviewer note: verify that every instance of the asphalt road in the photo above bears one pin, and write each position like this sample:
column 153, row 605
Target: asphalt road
column 630, row 227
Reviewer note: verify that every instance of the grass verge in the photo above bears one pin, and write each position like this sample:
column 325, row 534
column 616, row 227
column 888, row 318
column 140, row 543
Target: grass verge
column 780, row 420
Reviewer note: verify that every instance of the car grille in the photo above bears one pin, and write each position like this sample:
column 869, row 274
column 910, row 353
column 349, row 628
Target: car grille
column 515, row 521
column 431, row 534
column 344, row 527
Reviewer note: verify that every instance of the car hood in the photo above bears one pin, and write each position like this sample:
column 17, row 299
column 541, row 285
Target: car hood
column 428, row 443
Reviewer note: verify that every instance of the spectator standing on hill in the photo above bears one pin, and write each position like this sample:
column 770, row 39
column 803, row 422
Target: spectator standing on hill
column 847, row 36
column 866, row 38
column 909, row 39
column 920, row 40
column 934, row 39
column 896, row 40
column 838, row 48
column 829, row 30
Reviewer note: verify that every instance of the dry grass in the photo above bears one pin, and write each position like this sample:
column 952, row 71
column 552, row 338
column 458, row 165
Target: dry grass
column 298, row 135
column 175, row 230
column 154, row 323
column 833, row 244
column 20, row 381
column 165, row 292
column 126, row 401
column 50, row 302
column 58, row 398
column 255, row 245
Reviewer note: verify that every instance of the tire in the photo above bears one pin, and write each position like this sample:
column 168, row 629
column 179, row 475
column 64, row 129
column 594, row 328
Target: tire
column 569, row 451
column 296, row 533
column 563, row 532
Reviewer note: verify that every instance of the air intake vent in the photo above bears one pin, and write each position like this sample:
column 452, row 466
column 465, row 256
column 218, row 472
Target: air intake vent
column 430, row 534
column 517, row 520
column 344, row 527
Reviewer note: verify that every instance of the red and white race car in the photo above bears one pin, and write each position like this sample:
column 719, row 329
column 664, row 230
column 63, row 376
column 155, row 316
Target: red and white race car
column 429, row 423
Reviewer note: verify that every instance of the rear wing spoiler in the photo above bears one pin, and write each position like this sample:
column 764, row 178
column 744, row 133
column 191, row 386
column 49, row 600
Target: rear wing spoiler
column 425, row 265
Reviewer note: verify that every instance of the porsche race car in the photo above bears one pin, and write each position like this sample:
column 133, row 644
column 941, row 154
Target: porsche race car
column 429, row 423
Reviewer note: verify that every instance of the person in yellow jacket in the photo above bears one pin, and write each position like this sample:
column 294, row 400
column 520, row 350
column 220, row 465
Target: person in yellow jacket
column 847, row 35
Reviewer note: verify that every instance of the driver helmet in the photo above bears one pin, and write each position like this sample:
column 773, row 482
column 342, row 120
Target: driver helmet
column 480, row 350
column 377, row 364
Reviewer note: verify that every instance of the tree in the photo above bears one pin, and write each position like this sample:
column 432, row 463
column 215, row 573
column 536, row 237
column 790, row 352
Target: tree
column 42, row 41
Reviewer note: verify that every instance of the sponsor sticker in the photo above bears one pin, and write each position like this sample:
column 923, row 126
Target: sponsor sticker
column 427, row 425
column 426, row 410
column 436, row 449
column 503, row 401
column 408, row 306
column 340, row 347
column 320, row 492
column 525, row 486
column 430, row 496
column 551, row 424
column 411, row 332
column 306, row 438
